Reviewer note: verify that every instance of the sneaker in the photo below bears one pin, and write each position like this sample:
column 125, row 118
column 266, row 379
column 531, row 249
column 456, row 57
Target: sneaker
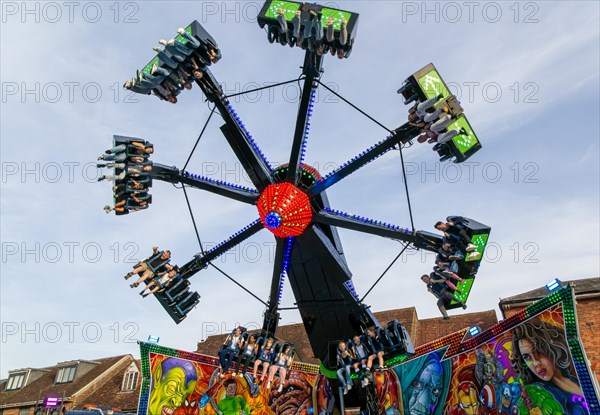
column 455, row 257
column 471, row 247
column 446, row 318
column 180, row 31
column 464, row 306
column 345, row 391
column 280, row 388
column 473, row 256
column 268, row 385
column 101, row 178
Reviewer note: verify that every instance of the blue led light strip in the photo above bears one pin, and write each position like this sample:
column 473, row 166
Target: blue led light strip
column 366, row 220
column 311, row 106
column 240, row 124
column 230, row 238
column 289, row 244
column 219, row 182
column 350, row 287
column 324, row 178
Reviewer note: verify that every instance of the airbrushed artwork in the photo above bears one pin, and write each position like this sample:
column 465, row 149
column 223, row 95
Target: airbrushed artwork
column 529, row 364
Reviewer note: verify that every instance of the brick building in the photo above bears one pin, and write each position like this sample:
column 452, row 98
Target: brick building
column 420, row 331
column 109, row 383
column 587, row 298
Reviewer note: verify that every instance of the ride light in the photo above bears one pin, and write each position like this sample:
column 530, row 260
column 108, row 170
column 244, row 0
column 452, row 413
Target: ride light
column 554, row 285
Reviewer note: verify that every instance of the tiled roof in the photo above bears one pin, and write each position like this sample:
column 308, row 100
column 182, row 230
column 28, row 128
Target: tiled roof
column 111, row 394
column 45, row 386
column 582, row 286
column 420, row 332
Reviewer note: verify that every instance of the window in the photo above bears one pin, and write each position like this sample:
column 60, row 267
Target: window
column 15, row 381
column 24, row 411
column 130, row 380
column 65, row 374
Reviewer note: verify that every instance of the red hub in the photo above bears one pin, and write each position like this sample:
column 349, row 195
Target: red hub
column 284, row 210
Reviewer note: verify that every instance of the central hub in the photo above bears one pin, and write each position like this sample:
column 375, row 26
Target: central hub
column 284, row 210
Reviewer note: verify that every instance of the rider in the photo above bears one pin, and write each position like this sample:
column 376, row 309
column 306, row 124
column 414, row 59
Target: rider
column 442, row 293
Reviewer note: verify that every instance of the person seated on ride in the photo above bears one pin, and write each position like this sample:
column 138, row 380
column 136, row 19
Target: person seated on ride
column 176, row 48
column 231, row 348
column 360, row 351
column 455, row 231
column 442, row 293
column 248, row 353
column 449, row 253
column 130, row 170
column 344, row 363
column 445, row 269
column 126, row 206
column 124, row 193
column 162, row 280
column 438, row 277
column 360, row 354
column 195, row 68
column 264, row 357
column 134, row 159
column 281, row 363
column 148, row 267
column 378, row 349
column 122, row 151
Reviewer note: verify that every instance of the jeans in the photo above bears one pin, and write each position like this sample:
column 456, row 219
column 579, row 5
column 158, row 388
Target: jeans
column 122, row 156
column 163, row 57
column 343, row 374
column 192, row 41
column 225, row 358
column 118, row 149
column 446, row 295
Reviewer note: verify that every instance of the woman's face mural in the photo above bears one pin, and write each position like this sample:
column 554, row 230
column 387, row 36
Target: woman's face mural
column 540, row 365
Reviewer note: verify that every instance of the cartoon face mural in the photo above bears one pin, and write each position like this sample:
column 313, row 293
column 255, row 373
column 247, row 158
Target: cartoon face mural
column 174, row 380
column 424, row 383
column 190, row 406
column 468, row 398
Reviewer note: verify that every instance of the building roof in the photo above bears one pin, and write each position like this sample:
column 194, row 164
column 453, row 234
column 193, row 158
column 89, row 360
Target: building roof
column 110, row 393
column 420, row 331
column 582, row 286
column 44, row 385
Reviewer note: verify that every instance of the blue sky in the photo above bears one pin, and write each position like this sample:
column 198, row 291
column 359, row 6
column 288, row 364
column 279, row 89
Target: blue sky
column 533, row 70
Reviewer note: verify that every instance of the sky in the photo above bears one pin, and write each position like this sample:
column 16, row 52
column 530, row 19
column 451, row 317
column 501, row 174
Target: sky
column 527, row 76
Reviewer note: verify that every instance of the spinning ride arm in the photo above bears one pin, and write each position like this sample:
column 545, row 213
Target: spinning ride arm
column 401, row 135
column 234, row 130
column 311, row 69
column 201, row 260
column 231, row 191
column 420, row 239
